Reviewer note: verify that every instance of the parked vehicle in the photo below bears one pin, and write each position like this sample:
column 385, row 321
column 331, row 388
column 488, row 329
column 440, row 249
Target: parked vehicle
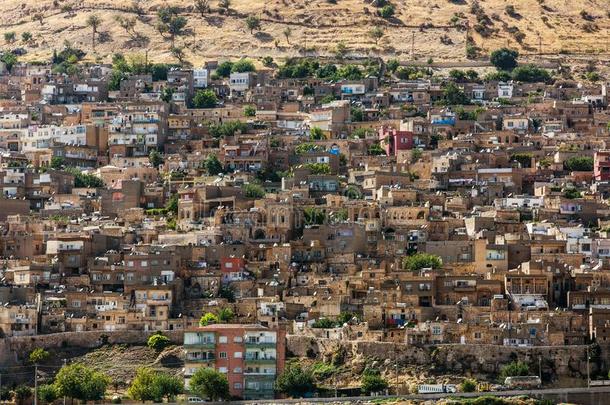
column 194, row 399
column 436, row 388
column 523, row 382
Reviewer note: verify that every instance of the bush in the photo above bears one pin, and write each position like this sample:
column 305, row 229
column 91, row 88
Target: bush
column 295, row 381
column 514, row 369
column 420, row 261
column 468, row 386
column 158, row 342
column 253, row 191
column 373, row 383
column 316, row 134
column 386, row 11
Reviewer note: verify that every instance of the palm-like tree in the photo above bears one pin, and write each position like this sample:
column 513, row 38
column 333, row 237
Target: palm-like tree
column 94, row 22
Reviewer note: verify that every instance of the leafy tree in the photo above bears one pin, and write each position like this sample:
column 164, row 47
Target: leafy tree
column 205, row 99
column 323, row 323
column 327, row 72
column 208, row 319
column 295, row 381
column 253, row 23
column 242, row 66
column 349, row 72
column 372, row 381
column 376, row 33
column 253, row 191
column 168, row 386
column 571, row 193
column 249, row 111
column 9, row 59
column 155, row 158
column 142, row 387
column 169, row 22
column 57, row 162
column 203, row 6
column 22, row 393
column 224, row 69
column 353, row 193
column 531, row 74
column 167, row 94
column 172, row 204
column 5, row 394
column 392, row 65
column 329, row 98
column 209, row 383
column 514, row 369
column 307, row 147
column 84, row 180
column 94, row 22
column 225, row 315
column 38, row 355
column 213, row 165
column 525, row 159
column 178, row 53
column 387, row 11
column 454, row 95
column 420, row 261
column 504, row 58
column 227, row 292
column 468, row 385
column 499, row 76
column 47, row 393
column 316, row 134
column 227, row 129
column 81, row 382
column 341, row 50
column 158, row 342
column 579, row 164
column 313, row 216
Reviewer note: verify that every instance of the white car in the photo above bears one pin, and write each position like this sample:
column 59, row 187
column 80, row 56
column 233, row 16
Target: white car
column 194, row 399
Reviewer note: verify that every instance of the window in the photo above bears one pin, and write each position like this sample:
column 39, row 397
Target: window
column 223, row 370
column 237, row 339
column 222, row 339
column 237, row 355
column 223, row 355
column 237, row 370
column 477, row 335
column 237, row 386
column 436, row 330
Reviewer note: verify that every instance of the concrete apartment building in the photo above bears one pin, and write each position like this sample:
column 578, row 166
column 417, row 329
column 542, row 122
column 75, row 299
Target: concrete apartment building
column 250, row 355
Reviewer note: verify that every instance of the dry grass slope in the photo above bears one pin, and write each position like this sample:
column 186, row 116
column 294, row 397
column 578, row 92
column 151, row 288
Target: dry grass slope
column 428, row 28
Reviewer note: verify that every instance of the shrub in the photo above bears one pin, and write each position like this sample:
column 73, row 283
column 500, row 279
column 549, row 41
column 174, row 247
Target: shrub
column 387, row 11
column 158, row 342
column 514, row 369
column 420, row 261
column 253, row 191
column 468, row 386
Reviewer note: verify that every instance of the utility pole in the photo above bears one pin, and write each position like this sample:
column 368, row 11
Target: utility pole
column 35, row 383
column 64, row 395
column 396, row 367
column 413, row 45
column 540, row 368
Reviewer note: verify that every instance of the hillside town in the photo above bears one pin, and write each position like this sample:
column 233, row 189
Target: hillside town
column 243, row 204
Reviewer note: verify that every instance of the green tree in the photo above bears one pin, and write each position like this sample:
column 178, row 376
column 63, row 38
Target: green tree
column 514, row 369
column 372, row 382
column 316, row 134
column 38, row 355
column 468, row 385
column 172, row 204
column 392, row 65
column 168, row 386
column 57, row 162
column 376, row 149
column 205, row 99
column 22, row 394
column 208, row 319
column 307, row 147
column 224, row 69
column 142, row 387
column 203, row 6
column 324, row 323
column 249, row 111
column 9, row 59
column 158, row 342
column 167, row 94
column 94, row 22
column 47, row 393
column 81, row 382
column 318, row 168
column 253, row 23
column 387, row 11
column 524, row 159
column 530, row 74
column 170, row 22
column 579, row 164
column 253, row 191
column 242, row 66
column 83, row 179
column 504, row 58
column 225, row 315
column 209, row 383
column 155, row 158
column 213, row 165
column 295, row 381
column 454, row 95
column 26, row 36
column 376, row 33
column 420, row 261
column 571, row 193
column 313, row 216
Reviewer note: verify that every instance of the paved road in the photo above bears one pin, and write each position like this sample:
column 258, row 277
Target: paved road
column 561, row 393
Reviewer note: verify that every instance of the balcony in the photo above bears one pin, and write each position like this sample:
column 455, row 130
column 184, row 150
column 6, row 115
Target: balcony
column 254, row 345
column 260, row 360
column 200, row 345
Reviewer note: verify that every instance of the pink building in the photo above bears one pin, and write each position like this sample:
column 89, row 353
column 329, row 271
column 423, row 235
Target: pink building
column 392, row 140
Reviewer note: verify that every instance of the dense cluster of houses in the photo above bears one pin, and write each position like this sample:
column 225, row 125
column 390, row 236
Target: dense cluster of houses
column 353, row 209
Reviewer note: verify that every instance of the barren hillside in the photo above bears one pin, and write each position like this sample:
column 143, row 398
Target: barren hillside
column 435, row 29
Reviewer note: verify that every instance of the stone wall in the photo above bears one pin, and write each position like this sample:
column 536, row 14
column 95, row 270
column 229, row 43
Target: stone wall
column 14, row 349
column 556, row 361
